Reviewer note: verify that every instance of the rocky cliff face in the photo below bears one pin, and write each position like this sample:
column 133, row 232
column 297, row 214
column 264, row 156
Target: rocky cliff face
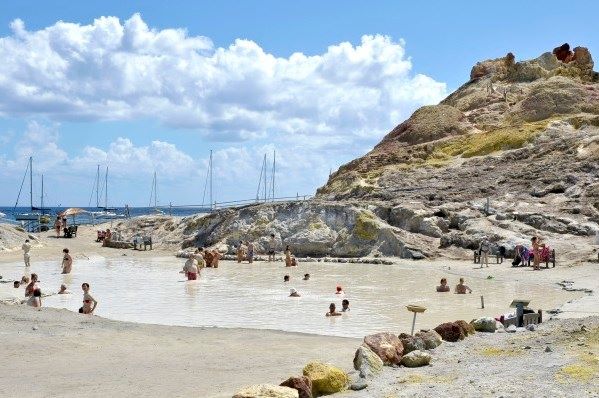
column 522, row 135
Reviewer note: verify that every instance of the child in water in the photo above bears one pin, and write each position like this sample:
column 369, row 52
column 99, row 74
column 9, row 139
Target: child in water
column 332, row 310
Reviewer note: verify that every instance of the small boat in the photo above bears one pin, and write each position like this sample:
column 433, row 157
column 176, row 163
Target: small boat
column 2, row 215
column 154, row 193
column 104, row 212
column 37, row 213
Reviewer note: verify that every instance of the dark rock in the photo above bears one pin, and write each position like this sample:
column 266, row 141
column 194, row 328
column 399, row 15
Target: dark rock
column 450, row 331
column 467, row 328
column 302, row 384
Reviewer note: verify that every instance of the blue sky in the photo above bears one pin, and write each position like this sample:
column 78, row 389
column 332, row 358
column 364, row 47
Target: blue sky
column 160, row 100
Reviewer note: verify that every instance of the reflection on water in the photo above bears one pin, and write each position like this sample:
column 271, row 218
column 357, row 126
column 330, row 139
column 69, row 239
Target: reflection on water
column 254, row 296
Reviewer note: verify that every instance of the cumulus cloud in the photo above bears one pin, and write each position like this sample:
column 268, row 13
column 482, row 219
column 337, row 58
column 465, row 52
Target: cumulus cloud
column 115, row 70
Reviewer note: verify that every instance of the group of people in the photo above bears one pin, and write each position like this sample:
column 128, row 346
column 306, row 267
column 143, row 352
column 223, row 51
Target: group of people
column 59, row 225
column 460, row 288
column 103, row 236
column 33, row 291
column 200, row 258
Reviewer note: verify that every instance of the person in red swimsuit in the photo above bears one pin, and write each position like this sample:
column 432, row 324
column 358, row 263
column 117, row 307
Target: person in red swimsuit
column 89, row 303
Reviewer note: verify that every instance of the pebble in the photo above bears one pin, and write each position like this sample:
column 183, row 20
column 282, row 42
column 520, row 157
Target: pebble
column 511, row 329
column 531, row 327
column 34, row 327
column 358, row 385
column 527, row 347
column 548, row 349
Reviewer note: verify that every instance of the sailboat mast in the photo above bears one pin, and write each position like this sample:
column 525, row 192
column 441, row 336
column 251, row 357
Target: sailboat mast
column 31, row 182
column 265, row 177
column 155, row 192
column 274, row 167
column 210, row 168
column 98, row 187
column 106, row 189
column 42, row 197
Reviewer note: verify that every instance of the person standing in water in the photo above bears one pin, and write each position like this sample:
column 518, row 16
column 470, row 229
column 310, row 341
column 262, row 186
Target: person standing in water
column 190, row 269
column 67, row 262
column 287, row 256
column 240, row 252
column 443, row 287
column 216, row 256
column 250, row 252
column 333, row 310
column 26, row 248
column 461, row 288
column 272, row 246
column 89, row 303
column 345, row 305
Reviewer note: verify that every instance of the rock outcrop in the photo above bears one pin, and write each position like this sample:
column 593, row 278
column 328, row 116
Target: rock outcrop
column 367, row 362
column 485, row 324
column 450, row 331
column 387, row 346
column 416, row 359
column 431, row 339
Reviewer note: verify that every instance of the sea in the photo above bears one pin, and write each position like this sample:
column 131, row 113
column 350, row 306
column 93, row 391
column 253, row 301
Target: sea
column 120, row 212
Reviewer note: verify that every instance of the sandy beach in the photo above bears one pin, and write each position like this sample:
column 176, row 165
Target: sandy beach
column 98, row 356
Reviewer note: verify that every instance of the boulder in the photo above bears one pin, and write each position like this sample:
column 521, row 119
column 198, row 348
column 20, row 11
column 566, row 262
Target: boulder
column 326, row 379
column 430, row 338
column 367, row 362
column 387, row 346
column 511, row 329
column 411, row 343
column 450, row 331
column 266, row 391
column 484, row 324
column 416, row 359
column 467, row 328
column 302, row 384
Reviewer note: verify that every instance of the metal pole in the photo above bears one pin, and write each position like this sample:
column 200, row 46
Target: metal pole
column 413, row 323
column 274, row 168
column 210, row 168
column 106, row 191
column 42, row 196
column 31, row 182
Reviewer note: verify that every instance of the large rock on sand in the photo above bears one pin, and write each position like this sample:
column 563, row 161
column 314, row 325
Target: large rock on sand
column 416, row 359
column 266, row 391
column 485, row 324
column 367, row 362
column 387, row 346
column 326, row 379
column 411, row 343
column 467, row 328
column 431, row 338
column 302, row 384
column 450, row 331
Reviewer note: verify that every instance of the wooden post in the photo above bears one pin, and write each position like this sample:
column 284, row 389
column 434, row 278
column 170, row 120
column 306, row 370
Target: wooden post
column 482, row 302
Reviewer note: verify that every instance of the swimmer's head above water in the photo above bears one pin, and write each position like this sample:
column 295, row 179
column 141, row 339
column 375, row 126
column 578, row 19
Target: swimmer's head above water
column 286, row 278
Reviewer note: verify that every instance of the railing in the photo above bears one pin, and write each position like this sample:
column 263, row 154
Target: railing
column 239, row 203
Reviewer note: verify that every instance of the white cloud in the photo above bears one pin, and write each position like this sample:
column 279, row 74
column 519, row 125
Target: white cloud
column 114, row 70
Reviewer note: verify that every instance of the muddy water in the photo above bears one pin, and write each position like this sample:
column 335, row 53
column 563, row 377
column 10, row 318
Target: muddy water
column 254, row 296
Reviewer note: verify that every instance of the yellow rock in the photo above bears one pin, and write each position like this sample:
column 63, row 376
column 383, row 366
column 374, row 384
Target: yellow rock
column 326, row 379
column 266, row 391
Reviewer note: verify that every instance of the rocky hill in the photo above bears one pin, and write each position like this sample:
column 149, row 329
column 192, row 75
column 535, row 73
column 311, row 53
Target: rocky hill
column 512, row 153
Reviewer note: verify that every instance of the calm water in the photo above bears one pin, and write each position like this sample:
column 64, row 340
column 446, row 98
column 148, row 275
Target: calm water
column 254, row 296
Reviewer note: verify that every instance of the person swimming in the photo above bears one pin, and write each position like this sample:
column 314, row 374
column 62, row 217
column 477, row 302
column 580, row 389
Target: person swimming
column 88, row 300
column 339, row 290
column 345, row 305
column 16, row 284
column 63, row 289
column 286, row 278
column 332, row 310
column 306, row 277
column 443, row 287
column 293, row 293
column 461, row 288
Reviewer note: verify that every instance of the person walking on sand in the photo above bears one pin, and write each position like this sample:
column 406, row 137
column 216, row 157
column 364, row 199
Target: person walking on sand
column 461, row 288
column 272, row 246
column 287, row 256
column 88, row 300
column 250, row 251
column 483, row 250
column 26, row 248
column 58, row 226
column 67, row 262
column 536, row 253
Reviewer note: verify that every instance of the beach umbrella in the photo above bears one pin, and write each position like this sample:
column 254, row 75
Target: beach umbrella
column 72, row 211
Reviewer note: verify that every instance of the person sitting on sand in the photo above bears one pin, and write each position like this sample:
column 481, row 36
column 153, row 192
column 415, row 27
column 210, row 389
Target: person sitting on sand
column 67, row 262
column 36, row 298
column 31, row 286
column 286, row 278
column 333, row 311
column 26, row 248
column 216, row 256
column 190, row 269
column 63, row 289
column 443, row 287
column 339, row 290
column 306, row 277
column 294, row 293
column 287, row 256
column 240, row 252
column 461, row 288
column 250, row 252
column 345, row 305
column 88, row 300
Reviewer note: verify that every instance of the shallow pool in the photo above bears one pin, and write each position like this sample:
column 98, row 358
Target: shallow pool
column 254, row 296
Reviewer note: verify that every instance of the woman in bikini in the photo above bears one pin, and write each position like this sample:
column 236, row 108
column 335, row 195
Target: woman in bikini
column 58, row 226
column 287, row 256
column 67, row 262
column 536, row 252
column 89, row 303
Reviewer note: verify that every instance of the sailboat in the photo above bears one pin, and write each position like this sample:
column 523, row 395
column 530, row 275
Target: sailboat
column 154, row 193
column 103, row 211
column 37, row 213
